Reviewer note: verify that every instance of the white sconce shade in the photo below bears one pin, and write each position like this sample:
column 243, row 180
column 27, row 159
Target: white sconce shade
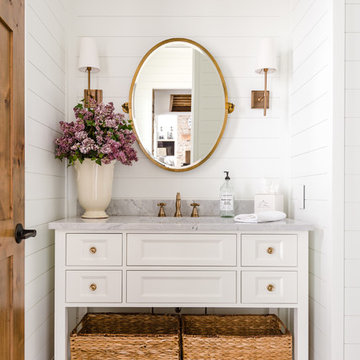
column 88, row 57
column 266, row 63
column 266, row 58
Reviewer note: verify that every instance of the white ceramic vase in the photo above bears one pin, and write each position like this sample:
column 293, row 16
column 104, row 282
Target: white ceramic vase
column 94, row 184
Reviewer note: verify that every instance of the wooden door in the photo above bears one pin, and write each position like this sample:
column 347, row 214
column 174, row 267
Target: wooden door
column 11, row 178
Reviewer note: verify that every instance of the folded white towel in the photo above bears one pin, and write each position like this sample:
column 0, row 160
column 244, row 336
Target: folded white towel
column 264, row 216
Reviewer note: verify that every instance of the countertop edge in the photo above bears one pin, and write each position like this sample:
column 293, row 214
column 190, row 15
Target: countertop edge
column 168, row 224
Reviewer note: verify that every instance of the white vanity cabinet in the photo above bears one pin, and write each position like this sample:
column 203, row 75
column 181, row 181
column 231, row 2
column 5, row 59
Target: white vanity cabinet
column 150, row 262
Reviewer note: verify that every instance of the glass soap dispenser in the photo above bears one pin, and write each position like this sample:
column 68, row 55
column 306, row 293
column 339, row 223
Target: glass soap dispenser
column 226, row 198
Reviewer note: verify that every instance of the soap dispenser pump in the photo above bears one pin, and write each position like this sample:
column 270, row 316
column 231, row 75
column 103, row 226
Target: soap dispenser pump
column 226, row 198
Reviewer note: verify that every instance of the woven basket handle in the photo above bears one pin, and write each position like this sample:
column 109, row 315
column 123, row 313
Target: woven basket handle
column 283, row 327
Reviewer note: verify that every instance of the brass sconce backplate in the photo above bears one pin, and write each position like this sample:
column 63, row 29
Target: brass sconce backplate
column 257, row 99
column 95, row 94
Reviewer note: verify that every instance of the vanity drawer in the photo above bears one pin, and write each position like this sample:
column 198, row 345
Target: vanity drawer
column 181, row 249
column 270, row 287
column 174, row 287
column 93, row 249
column 269, row 250
column 93, row 286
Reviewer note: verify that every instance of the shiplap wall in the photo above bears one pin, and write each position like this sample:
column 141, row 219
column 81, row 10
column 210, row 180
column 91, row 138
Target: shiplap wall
column 44, row 176
column 253, row 146
column 310, row 133
column 352, row 181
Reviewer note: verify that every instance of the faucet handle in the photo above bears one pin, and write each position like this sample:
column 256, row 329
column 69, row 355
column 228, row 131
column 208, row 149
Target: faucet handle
column 162, row 210
column 195, row 212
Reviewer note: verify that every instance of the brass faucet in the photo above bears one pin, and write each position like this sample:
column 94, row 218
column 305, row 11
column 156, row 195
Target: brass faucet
column 178, row 206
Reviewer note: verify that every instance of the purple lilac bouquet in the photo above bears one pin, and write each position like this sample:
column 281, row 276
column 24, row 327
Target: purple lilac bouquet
column 99, row 134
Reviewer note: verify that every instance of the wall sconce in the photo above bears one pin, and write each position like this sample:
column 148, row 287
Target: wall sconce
column 266, row 64
column 89, row 61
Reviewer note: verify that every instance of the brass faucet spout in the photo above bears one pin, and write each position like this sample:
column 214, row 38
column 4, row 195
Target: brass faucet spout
column 178, row 206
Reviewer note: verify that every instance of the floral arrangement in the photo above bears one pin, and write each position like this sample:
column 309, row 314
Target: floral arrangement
column 99, row 134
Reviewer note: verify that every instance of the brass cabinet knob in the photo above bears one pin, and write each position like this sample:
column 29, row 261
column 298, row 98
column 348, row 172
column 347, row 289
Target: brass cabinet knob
column 270, row 288
column 270, row 250
column 93, row 287
column 93, row 250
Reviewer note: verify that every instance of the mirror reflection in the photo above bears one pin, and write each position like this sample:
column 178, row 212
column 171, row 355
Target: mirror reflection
column 178, row 105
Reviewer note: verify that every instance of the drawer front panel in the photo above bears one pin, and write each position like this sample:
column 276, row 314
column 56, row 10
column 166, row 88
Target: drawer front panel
column 181, row 287
column 181, row 249
column 93, row 249
column 269, row 250
column 93, row 286
column 271, row 287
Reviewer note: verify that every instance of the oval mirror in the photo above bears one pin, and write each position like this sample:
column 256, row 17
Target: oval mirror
column 178, row 104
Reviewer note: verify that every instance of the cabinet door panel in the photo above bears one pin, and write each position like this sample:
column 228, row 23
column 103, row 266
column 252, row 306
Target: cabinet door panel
column 93, row 249
column 93, row 286
column 181, row 249
column 269, row 250
column 269, row 287
column 181, row 287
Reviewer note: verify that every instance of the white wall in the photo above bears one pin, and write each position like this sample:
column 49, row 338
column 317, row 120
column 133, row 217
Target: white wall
column 352, row 181
column 310, row 133
column 316, row 132
column 44, row 176
column 252, row 146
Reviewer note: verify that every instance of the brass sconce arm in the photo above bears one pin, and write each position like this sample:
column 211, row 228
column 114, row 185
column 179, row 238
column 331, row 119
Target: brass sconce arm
column 88, row 69
column 265, row 91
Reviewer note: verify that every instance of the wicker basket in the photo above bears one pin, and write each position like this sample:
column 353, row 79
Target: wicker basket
column 126, row 337
column 230, row 337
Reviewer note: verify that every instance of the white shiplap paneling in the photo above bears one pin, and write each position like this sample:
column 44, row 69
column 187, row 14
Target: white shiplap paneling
column 44, row 176
column 310, row 132
column 253, row 147
column 352, row 181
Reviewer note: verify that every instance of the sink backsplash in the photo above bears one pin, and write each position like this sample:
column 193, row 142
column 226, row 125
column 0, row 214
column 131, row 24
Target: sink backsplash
column 148, row 207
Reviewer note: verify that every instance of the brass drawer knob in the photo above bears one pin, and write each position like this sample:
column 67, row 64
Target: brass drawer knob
column 270, row 288
column 93, row 250
column 270, row 250
column 93, row 287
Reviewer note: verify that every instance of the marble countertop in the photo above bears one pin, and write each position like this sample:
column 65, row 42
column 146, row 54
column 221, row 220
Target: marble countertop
column 206, row 223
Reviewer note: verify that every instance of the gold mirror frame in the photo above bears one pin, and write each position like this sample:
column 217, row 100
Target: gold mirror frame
column 127, row 107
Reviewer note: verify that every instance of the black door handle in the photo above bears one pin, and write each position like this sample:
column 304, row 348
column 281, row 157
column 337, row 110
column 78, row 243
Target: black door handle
column 22, row 234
